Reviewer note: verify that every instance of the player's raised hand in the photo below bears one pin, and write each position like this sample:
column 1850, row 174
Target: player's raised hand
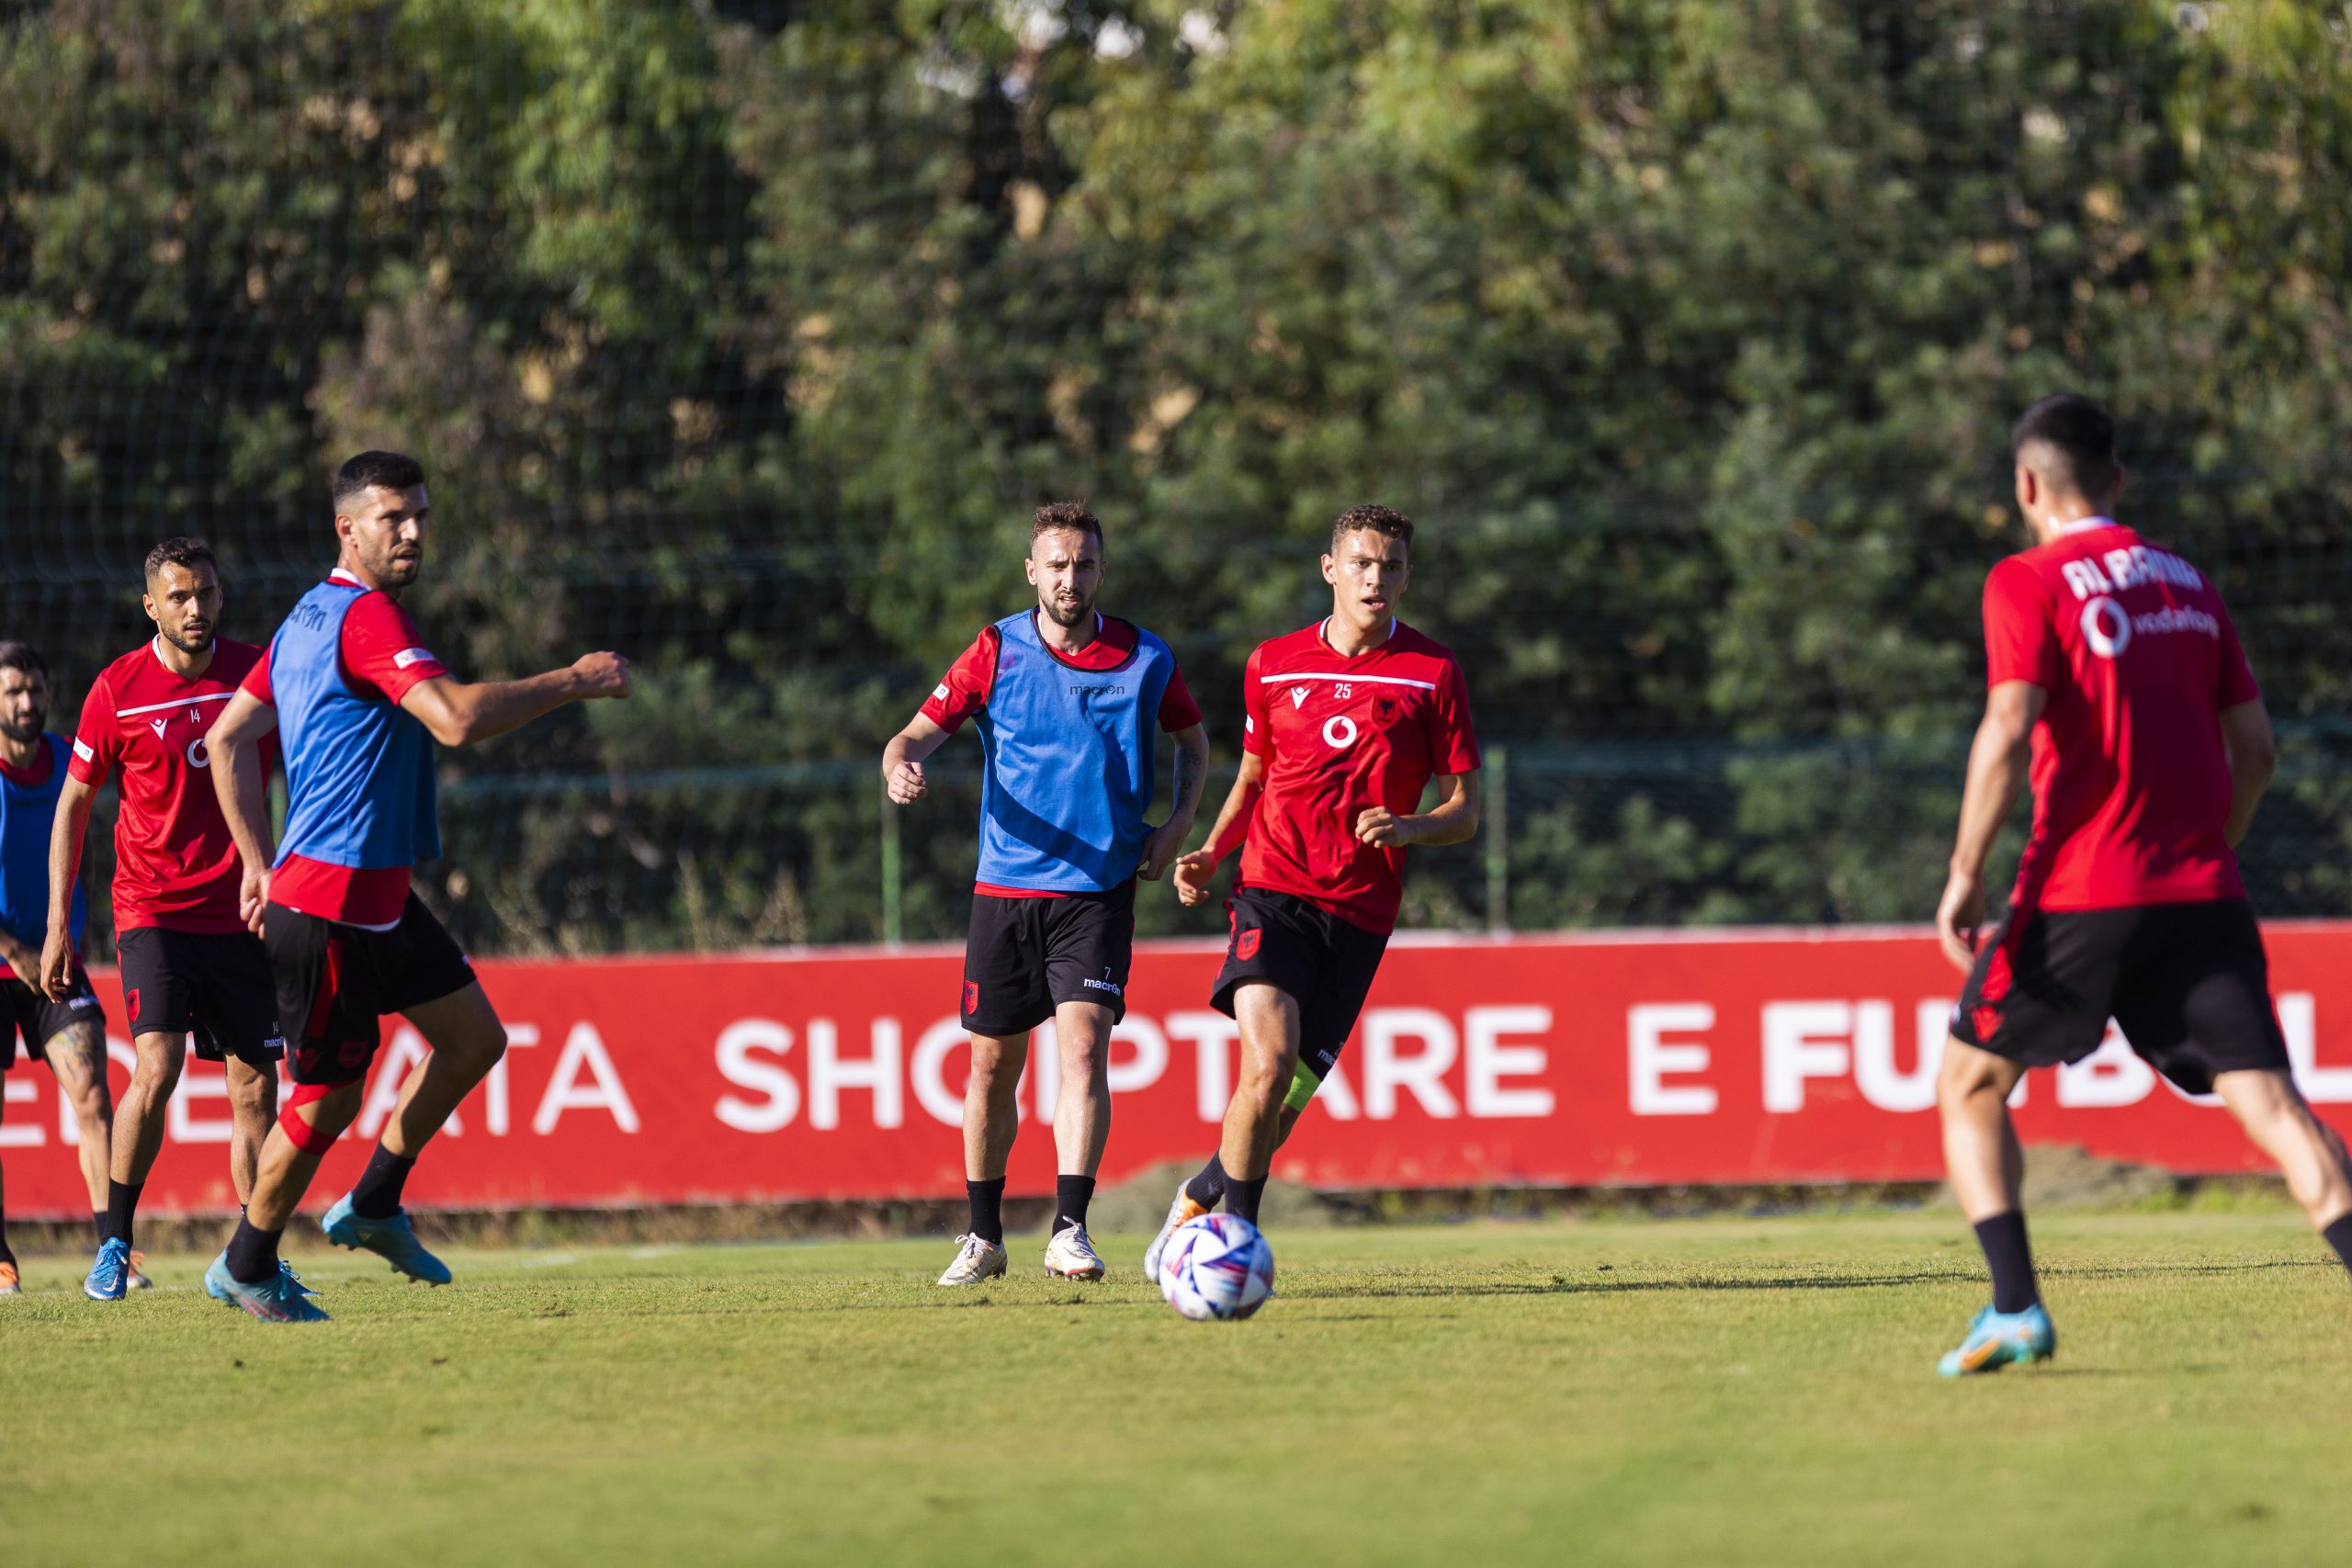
column 253, row 896
column 1959, row 916
column 57, row 965
column 1193, row 874
column 1381, row 829
column 607, row 674
column 907, row 785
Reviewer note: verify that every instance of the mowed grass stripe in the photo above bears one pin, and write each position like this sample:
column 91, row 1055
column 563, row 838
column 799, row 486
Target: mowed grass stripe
column 1617, row 1390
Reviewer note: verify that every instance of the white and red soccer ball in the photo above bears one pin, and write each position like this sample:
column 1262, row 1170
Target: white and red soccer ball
column 1216, row 1267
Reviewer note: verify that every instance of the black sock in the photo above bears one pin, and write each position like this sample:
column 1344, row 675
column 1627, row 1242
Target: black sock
column 122, row 1202
column 1242, row 1198
column 2339, row 1236
column 1071, row 1194
column 377, row 1194
column 2011, row 1261
column 1209, row 1186
column 98, row 1223
column 987, row 1199
column 253, row 1254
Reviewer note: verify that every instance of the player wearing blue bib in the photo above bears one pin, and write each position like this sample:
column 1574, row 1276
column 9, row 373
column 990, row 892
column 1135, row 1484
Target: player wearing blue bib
column 359, row 705
column 66, row 1031
column 1070, row 704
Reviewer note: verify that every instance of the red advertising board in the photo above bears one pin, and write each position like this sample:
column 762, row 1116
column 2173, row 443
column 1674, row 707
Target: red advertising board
column 1630, row 1058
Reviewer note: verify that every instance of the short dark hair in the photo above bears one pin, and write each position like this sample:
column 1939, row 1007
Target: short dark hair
column 1375, row 519
column 23, row 656
column 392, row 470
column 179, row 550
column 1065, row 514
column 2079, row 435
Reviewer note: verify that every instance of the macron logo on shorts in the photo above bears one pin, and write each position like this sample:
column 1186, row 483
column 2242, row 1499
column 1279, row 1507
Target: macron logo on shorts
column 408, row 656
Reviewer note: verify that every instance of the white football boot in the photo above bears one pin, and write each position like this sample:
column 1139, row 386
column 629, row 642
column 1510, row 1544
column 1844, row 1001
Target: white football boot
column 1179, row 1211
column 977, row 1259
column 1071, row 1256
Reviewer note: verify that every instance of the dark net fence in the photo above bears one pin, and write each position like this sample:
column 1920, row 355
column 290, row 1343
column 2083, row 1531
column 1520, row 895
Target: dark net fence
column 742, row 337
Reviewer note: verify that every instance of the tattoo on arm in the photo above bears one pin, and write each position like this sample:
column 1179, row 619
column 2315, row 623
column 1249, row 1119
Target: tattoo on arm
column 1191, row 773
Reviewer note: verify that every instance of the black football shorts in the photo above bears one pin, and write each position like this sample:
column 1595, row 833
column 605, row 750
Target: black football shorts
column 26, row 1010
column 1024, row 957
column 215, row 985
column 2187, row 983
column 334, row 981
column 1324, row 962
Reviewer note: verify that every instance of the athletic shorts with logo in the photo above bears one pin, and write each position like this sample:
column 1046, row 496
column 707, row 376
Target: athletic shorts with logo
column 26, row 1010
column 2188, row 984
column 334, row 981
column 1324, row 962
column 1024, row 957
column 214, row 986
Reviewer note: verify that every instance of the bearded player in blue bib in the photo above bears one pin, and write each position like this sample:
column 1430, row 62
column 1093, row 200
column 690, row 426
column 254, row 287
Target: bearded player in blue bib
column 1070, row 704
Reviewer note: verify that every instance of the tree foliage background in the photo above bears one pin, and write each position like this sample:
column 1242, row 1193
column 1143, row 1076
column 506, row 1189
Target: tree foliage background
column 742, row 336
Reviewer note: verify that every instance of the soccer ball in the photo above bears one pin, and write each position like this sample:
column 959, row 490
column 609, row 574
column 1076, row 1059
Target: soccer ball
column 1216, row 1267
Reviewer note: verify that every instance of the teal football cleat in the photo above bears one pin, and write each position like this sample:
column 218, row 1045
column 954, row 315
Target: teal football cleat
column 279, row 1299
column 394, row 1240
column 293, row 1281
column 1997, row 1339
column 109, row 1276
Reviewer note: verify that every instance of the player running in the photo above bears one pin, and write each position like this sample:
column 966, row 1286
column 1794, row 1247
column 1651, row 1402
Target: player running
column 2116, row 662
column 359, row 702
column 68, row 1032
column 1347, row 722
column 1068, row 702
column 188, row 964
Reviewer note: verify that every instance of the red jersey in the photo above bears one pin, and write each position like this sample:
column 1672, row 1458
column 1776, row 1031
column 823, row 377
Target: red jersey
column 176, row 865
column 2131, row 783
column 964, row 692
column 1340, row 736
column 383, row 655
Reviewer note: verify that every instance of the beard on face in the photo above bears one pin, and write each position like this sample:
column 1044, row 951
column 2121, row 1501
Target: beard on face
column 30, row 729
column 1071, row 615
column 187, row 642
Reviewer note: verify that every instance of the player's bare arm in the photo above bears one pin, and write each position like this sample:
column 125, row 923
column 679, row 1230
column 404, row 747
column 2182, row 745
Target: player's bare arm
column 902, row 758
column 65, row 835
column 236, row 747
column 2254, row 758
column 1997, row 763
column 1194, row 871
column 1452, row 820
column 462, row 712
column 1160, row 849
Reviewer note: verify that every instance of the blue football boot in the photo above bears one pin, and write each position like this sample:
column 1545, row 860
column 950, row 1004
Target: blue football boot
column 279, row 1299
column 1997, row 1339
column 212, row 1287
column 109, row 1278
column 394, row 1240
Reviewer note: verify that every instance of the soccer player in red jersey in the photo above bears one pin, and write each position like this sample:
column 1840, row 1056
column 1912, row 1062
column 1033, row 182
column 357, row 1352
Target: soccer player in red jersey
column 360, row 703
column 2116, row 682
column 1347, row 721
column 1070, row 704
column 188, row 964
column 67, row 1033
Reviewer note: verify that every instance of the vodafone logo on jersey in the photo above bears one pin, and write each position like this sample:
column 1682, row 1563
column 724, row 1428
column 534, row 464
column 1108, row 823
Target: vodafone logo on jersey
column 1340, row 732
column 2107, row 627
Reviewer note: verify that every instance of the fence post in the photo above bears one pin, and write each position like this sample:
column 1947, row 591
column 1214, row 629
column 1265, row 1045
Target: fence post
column 1498, row 820
column 893, row 909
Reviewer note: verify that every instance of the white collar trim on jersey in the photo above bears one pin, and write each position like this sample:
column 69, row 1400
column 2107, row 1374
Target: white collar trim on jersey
column 339, row 575
column 155, row 647
column 1324, row 631
column 2084, row 524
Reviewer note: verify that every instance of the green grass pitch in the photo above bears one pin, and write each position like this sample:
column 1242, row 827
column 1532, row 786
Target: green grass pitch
column 1718, row 1392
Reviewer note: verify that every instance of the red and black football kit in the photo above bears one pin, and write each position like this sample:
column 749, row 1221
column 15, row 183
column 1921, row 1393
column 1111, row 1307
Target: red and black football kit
column 2128, row 901
column 189, row 966
column 1314, row 905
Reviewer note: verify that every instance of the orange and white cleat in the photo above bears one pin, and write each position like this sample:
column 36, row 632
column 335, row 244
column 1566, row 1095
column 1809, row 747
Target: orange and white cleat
column 139, row 1280
column 9, row 1286
column 1182, row 1212
column 1071, row 1255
